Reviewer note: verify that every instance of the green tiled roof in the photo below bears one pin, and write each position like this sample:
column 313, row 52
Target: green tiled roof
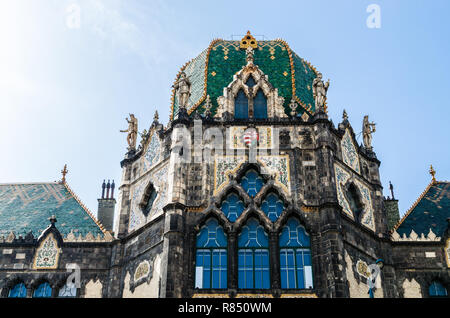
column 214, row 68
column 27, row 207
column 429, row 212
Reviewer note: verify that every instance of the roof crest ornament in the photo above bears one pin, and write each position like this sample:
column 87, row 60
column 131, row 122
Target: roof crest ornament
column 248, row 41
column 64, row 172
column 433, row 174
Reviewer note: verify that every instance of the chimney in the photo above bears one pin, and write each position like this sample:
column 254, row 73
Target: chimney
column 106, row 206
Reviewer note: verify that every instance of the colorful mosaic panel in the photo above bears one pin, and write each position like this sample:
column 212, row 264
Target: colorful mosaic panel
column 47, row 254
column 349, row 152
column 159, row 181
column 278, row 166
column 223, row 167
column 447, row 252
column 237, row 137
column 363, row 269
column 27, row 207
column 153, row 153
column 367, row 217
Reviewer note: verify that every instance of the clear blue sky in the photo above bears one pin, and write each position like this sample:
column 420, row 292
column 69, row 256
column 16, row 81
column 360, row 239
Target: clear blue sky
column 64, row 92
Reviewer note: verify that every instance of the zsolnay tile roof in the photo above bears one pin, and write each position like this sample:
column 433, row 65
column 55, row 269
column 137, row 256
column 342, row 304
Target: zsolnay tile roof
column 213, row 70
column 430, row 211
column 27, row 207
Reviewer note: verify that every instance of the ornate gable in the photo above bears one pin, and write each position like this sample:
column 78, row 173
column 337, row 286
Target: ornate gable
column 47, row 254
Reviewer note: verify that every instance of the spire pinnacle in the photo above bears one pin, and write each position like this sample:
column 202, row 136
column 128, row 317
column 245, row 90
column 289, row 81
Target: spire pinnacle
column 433, row 173
column 64, row 172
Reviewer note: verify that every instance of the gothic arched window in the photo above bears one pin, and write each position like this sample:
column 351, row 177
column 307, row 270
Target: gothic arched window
column 232, row 207
column 18, row 291
column 250, row 81
column 436, row 289
column 252, row 183
column 44, row 290
column 295, row 257
column 241, row 106
column 354, row 200
column 260, row 105
column 272, row 206
column 148, row 200
column 253, row 257
column 211, row 257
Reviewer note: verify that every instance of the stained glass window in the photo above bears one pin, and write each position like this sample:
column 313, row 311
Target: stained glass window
column 43, row 291
column 295, row 257
column 232, row 207
column 437, row 290
column 241, row 106
column 211, row 257
column 272, row 206
column 253, row 257
column 260, row 105
column 18, row 291
column 252, row 183
column 68, row 291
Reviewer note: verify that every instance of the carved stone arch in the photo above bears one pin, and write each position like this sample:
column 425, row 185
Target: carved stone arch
column 275, row 103
column 232, row 187
column 244, row 168
column 271, row 187
column 351, row 186
column 255, row 212
column 213, row 213
column 292, row 212
column 12, row 281
column 427, row 279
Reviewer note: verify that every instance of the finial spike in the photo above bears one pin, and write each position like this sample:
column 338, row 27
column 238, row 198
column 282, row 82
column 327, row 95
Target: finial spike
column 433, row 173
column 64, row 172
column 344, row 115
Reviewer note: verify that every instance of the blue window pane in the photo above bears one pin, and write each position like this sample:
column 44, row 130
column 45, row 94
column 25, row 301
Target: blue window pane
column 250, row 81
column 149, row 205
column 241, row 106
column 43, row 291
column 272, row 206
column 252, row 183
column 437, row 290
column 294, row 235
column 18, row 291
column 301, row 278
column 245, row 268
column 232, row 207
column 260, row 105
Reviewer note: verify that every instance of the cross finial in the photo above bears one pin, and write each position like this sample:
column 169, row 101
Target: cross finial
column 344, row 115
column 433, row 173
column 156, row 117
column 64, row 172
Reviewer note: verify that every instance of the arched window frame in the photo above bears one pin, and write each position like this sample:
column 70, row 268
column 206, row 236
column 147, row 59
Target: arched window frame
column 252, row 182
column 235, row 202
column 437, row 290
column 19, row 290
column 272, row 201
column 43, row 290
column 301, row 248
column 253, row 259
column 148, row 199
column 356, row 195
column 207, row 254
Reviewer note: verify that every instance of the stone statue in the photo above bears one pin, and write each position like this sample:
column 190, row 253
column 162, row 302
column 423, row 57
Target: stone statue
column 320, row 90
column 183, row 87
column 293, row 106
column 132, row 132
column 368, row 130
column 144, row 136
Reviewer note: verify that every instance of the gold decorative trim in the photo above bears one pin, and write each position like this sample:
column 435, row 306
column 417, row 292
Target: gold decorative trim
column 447, row 252
column 310, row 209
column 193, row 108
column 210, row 296
column 302, row 295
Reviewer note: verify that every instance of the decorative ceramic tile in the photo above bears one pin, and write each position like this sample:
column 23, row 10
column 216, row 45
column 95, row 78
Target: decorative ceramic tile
column 342, row 177
column 279, row 167
column 47, row 254
column 367, row 216
column 362, row 269
column 142, row 271
column 224, row 166
column 158, row 179
column 153, row 153
column 349, row 152
column 237, row 137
